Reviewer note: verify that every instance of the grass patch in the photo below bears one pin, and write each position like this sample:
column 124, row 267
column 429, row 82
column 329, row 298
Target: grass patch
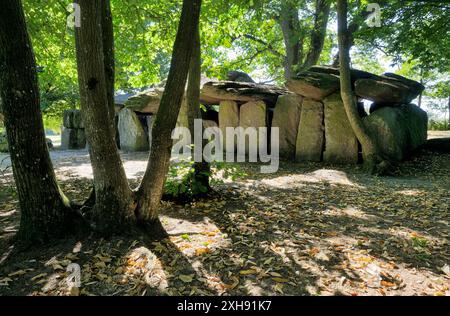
column 438, row 125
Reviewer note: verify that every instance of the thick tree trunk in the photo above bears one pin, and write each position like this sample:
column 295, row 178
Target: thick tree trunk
column 293, row 42
column 108, row 53
column 201, row 168
column 371, row 153
column 113, row 197
column 45, row 211
column 318, row 33
column 152, row 186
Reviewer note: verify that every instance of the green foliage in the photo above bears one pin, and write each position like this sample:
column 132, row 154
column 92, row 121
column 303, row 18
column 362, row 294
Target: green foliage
column 438, row 125
column 53, row 123
column 181, row 182
column 412, row 30
column 414, row 35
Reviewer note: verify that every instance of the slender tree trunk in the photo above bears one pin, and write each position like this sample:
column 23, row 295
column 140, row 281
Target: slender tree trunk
column 371, row 153
column 108, row 53
column 318, row 33
column 352, row 28
column 201, row 168
column 293, row 42
column 113, row 198
column 152, row 186
column 419, row 103
column 45, row 211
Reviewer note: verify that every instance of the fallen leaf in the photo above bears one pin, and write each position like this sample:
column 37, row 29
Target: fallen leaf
column 280, row 280
column 186, row 278
column 247, row 272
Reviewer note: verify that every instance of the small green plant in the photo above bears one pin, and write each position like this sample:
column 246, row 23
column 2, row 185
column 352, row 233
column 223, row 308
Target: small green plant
column 185, row 237
column 418, row 242
column 182, row 183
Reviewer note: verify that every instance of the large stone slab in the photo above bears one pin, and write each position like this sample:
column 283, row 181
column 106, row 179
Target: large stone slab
column 418, row 125
column 132, row 134
column 310, row 137
column 398, row 130
column 286, row 117
column 386, row 126
column 313, row 85
column 253, row 114
column 146, row 101
column 341, row 145
column 73, row 138
column 354, row 73
column 215, row 91
column 415, row 87
column 228, row 117
column 386, row 91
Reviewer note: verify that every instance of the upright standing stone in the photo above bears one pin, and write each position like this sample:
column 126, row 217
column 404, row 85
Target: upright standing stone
column 73, row 119
column 73, row 138
column 228, row 117
column 286, row 117
column 183, row 122
column 341, row 145
column 131, row 132
column 253, row 114
column 310, row 135
column 398, row 130
column 417, row 121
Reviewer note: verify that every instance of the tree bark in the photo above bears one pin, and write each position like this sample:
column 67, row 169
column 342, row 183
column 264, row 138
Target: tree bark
column 352, row 28
column 293, row 42
column 419, row 103
column 201, row 168
column 318, row 33
column 45, row 211
column 371, row 153
column 113, row 207
column 152, row 185
column 108, row 53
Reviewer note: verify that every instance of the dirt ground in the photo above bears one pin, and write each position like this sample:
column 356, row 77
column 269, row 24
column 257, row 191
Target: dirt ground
column 310, row 229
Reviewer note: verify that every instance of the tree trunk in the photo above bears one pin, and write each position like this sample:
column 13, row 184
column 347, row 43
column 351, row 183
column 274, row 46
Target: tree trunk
column 152, row 186
column 351, row 30
column 201, row 168
column 371, row 153
column 113, row 199
column 45, row 211
column 108, row 53
column 293, row 43
column 318, row 33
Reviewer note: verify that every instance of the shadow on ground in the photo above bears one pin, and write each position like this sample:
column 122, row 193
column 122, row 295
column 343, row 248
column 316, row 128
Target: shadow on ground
column 306, row 230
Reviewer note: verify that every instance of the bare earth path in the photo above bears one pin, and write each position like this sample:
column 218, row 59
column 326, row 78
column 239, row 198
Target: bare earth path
column 307, row 230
